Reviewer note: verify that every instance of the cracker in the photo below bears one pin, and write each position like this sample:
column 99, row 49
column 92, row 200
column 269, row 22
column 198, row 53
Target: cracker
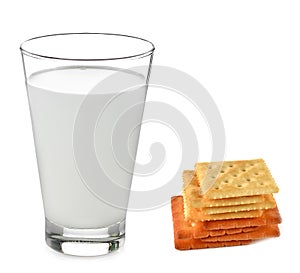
column 224, row 202
column 268, row 217
column 191, row 189
column 189, row 179
column 268, row 203
column 198, row 233
column 260, row 233
column 189, row 230
column 193, row 214
column 234, row 179
column 183, row 237
column 186, row 244
column 216, row 238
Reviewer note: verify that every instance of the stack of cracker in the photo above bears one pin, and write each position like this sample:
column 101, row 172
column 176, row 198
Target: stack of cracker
column 225, row 204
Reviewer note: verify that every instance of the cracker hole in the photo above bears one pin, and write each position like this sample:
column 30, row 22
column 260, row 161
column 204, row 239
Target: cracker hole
column 239, row 185
column 248, row 179
column 252, row 164
column 230, row 165
column 225, row 181
column 217, row 188
column 222, row 172
column 235, row 175
column 243, row 170
column 256, row 173
column 261, row 183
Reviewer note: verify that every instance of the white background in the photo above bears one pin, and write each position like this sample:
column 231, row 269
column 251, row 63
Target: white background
column 246, row 53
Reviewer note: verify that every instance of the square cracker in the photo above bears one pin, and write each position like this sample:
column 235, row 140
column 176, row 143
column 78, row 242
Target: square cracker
column 189, row 235
column 187, row 244
column 191, row 190
column 187, row 230
column 180, row 226
column 268, row 217
column 234, row 178
column 268, row 203
column 262, row 232
column 193, row 214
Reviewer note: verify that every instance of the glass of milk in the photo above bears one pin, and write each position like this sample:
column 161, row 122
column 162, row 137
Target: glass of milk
column 86, row 94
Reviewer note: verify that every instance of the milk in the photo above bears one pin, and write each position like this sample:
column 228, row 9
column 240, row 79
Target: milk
column 55, row 98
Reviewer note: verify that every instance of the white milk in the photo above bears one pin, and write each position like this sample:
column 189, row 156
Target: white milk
column 55, row 97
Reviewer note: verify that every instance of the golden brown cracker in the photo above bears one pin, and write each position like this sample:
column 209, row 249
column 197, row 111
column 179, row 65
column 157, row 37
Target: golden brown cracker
column 225, row 202
column 193, row 214
column 268, row 203
column 235, row 178
column 187, row 244
column 268, row 217
column 198, row 233
column 260, row 233
column 183, row 238
column 191, row 189
column 186, row 229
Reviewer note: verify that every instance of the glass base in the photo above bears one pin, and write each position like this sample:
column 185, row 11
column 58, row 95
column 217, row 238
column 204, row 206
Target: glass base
column 85, row 242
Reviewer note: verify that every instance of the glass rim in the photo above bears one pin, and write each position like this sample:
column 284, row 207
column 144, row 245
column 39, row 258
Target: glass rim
column 41, row 56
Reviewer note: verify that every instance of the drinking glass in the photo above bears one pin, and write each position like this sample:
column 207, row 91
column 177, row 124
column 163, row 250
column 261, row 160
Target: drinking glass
column 86, row 94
